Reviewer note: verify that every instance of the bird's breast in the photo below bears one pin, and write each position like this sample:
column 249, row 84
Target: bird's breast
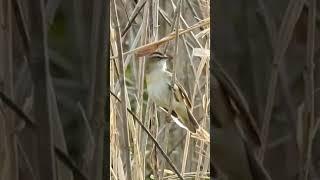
column 158, row 89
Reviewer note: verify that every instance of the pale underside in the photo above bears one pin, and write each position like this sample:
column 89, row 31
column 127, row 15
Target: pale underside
column 159, row 90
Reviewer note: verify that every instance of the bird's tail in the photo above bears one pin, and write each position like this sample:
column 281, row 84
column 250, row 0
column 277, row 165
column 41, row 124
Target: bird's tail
column 191, row 122
column 199, row 132
column 202, row 135
column 188, row 121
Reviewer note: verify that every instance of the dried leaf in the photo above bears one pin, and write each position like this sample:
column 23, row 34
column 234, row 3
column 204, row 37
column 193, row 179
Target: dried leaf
column 148, row 49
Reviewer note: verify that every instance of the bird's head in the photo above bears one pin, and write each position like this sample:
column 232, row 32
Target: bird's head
column 156, row 61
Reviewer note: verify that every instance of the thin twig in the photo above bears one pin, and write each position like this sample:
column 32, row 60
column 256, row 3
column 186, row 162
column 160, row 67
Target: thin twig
column 26, row 159
column 133, row 16
column 123, row 90
column 175, row 18
column 284, row 87
column 152, row 138
column 69, row 163
column 167, row 38
column 177, row 25
column 17, row 110
column 61, row 155
column 284, row 36
column 309, row 99
column 194, row 12
column 22, row 24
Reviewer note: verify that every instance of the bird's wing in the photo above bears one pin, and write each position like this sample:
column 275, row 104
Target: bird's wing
column 180, row 94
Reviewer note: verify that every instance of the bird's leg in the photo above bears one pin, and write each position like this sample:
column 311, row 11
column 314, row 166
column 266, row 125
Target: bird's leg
column 169, row 118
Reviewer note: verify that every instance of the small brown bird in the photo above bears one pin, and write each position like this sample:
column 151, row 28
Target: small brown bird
column 159, row 87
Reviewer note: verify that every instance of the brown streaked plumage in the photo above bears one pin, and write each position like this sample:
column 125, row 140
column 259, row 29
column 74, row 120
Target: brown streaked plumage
column 159, row 88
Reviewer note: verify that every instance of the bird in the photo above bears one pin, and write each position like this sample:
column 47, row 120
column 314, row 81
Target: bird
column 160, row 87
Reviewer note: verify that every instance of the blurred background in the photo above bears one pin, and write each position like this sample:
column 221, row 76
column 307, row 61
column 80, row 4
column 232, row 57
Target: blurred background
column 53, row 72
column 271, row 50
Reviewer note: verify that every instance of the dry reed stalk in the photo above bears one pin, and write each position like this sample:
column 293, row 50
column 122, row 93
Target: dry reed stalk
column 123, row 91
column 309, row 88
column 167, row 128
column 284, row 36
column 169, row 37
column 145, row 123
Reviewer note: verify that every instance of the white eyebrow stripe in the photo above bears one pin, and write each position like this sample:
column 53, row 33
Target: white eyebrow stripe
column 158, row 55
